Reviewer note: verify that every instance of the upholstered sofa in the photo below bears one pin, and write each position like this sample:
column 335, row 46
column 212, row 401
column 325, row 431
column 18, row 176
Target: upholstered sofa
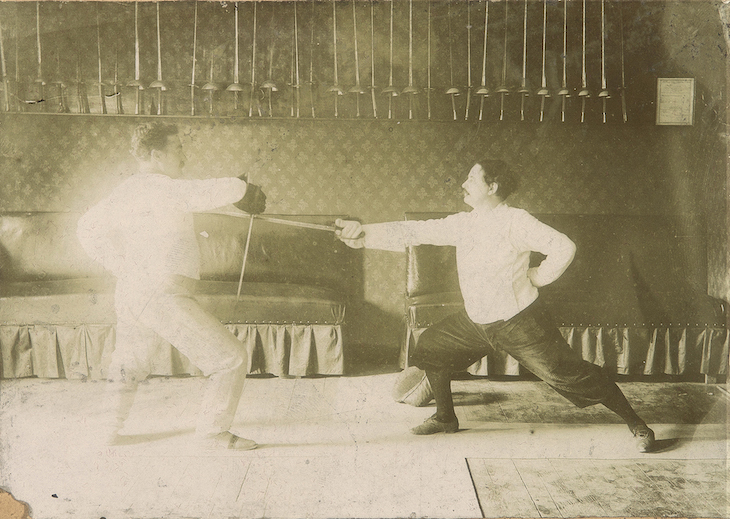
column 56, row 305
column 634, row 300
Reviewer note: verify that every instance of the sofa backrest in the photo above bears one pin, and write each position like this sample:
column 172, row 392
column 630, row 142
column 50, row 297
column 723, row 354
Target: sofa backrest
column 627, row 270
column 43, row 246
column 278, row 253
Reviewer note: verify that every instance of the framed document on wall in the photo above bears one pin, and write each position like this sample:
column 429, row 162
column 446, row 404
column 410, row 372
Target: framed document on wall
column 675, row 101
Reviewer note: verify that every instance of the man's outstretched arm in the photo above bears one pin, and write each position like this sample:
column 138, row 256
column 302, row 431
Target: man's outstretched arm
column 396, row 236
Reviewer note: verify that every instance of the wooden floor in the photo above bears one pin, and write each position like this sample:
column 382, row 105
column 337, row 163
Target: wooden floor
column 578, row 487
column 340, row 447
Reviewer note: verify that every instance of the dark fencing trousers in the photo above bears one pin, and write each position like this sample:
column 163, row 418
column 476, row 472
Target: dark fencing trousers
column 456, row 342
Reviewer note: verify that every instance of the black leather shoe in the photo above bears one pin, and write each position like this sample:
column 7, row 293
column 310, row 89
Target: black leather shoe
column 432, row 426
column 644, row 438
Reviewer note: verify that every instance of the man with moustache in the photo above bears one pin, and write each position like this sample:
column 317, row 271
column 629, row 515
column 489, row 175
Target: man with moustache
column 501, row 307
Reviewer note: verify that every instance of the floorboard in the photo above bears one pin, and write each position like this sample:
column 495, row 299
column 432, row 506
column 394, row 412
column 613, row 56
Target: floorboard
column 533, row 474
column 577, row 500
column 501, row 490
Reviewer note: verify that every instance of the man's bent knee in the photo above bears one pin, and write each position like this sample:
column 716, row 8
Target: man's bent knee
column 428, row 353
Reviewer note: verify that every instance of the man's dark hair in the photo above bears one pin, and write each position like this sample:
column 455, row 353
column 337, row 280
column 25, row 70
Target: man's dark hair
column 500, row 173
column 151, row 136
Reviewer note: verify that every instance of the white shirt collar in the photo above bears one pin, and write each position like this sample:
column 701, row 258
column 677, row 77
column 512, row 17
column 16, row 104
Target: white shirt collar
column 487, row 211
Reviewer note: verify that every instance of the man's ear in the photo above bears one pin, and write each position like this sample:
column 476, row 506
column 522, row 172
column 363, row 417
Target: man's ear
column 156, row 155
column 493, row 187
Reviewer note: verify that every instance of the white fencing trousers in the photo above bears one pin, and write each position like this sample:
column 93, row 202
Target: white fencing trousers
column 168, row 309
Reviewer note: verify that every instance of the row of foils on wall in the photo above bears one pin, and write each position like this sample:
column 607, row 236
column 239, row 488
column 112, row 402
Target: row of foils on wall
column 404, row 59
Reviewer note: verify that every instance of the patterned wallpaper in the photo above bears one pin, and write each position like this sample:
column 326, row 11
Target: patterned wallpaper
column 375, row 170
column 371, row 170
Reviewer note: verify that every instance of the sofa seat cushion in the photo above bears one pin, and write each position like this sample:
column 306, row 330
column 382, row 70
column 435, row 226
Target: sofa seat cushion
column 577, row 307
column 91, row 300
column 69, row 301
column 271, row 303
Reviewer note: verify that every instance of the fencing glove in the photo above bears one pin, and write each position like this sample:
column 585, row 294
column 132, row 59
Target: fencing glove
column 254, row 201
